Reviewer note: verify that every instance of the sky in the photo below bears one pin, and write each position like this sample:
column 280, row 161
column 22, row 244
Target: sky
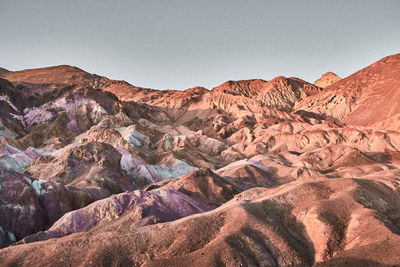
column 182, row 44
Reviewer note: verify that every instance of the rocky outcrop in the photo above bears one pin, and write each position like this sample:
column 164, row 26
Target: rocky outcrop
column 88, row 165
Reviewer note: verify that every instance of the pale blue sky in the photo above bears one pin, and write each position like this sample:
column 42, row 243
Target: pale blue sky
column 181, row 44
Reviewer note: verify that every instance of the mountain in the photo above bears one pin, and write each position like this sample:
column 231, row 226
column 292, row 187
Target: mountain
column 280, row 92
column 365, row 98
column 98, row 172
column 327, row 79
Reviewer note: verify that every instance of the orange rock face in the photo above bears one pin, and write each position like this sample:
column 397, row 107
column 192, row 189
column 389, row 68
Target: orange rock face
column 366, row 97
column 249, row 173
column 327, row 79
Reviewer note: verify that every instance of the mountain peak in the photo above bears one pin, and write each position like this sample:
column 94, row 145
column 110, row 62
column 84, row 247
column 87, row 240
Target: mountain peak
column 327, row 79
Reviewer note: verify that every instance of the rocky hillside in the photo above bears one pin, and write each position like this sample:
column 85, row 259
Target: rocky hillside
column 365, row 98
column 97, row 172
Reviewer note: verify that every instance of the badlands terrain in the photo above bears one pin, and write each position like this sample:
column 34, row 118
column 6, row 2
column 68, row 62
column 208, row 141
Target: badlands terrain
column 99, row 172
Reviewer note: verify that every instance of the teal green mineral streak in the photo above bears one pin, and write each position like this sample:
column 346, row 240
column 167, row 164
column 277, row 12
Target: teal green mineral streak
column 177, row 169
column 136, row 139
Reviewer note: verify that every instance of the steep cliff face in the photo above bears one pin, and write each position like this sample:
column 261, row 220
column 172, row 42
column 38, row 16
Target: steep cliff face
column 252, row 172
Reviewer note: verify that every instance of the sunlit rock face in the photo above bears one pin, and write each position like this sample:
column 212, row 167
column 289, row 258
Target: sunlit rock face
column 327, row 79
column 365, row 98
column 283, row 172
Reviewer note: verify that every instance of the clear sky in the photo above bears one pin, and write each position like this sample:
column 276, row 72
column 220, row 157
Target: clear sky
column 180, row 44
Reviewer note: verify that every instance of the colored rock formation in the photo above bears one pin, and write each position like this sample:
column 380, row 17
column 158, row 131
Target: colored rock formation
column 96, row 172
